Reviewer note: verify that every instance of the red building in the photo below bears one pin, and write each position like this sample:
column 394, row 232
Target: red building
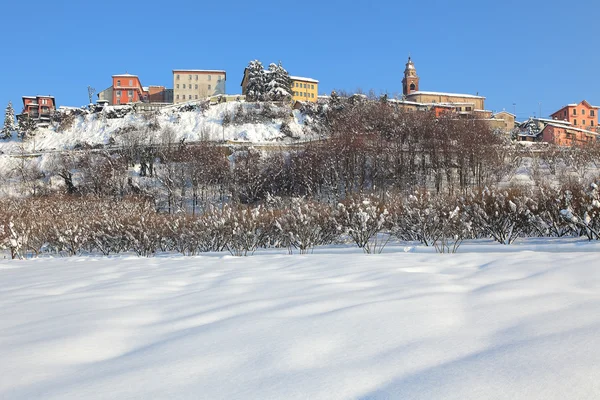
column 582, row 115
column 39, row 108
column 127, row 88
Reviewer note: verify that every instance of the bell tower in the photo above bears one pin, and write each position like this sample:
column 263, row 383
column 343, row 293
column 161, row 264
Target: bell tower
column 410, row 82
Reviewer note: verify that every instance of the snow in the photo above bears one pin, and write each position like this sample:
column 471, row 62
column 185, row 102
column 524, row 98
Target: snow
column 300, row 78
column 446, row 94
column 492, row 322
column 192, row 125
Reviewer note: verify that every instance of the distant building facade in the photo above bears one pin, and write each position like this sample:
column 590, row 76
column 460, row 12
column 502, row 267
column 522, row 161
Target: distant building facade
column 304, row 89
column 558, row 132
column 128, row 89
column 38, row 108
column 582, row 115
column 190, row 84
column 441, row 102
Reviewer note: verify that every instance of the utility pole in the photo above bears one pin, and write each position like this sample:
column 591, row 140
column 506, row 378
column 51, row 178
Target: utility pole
column 91, row 92
column 540, row 104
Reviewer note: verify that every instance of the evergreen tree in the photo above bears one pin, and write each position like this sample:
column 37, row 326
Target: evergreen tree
column 279, row 84
column 255, row 89
column 27, row 127
column 9, row 122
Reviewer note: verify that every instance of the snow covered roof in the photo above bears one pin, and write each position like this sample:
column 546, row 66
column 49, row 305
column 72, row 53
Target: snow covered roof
column 300, row 78
column 125, row 75
column 553, row 121
column 145, row 88
column 199, row 70
column 446, row 94
column 573, row 129
column 29, row 97
column 505, row 112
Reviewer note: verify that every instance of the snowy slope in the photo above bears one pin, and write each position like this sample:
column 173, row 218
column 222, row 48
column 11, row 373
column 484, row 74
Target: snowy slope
column 334, row 325
column 192, row 125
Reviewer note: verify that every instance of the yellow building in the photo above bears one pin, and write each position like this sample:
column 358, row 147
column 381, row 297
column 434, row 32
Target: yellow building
column 304, row 89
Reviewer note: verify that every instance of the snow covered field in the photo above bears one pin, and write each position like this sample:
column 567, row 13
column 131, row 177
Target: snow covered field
column 492, row 322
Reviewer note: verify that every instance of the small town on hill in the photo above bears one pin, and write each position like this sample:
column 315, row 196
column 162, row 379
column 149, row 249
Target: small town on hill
column 573, row 124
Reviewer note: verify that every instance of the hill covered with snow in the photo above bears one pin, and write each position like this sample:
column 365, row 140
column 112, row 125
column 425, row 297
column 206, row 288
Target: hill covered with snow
column 236, row 121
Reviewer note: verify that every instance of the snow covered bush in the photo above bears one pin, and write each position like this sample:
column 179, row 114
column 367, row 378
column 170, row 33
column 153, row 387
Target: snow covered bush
column 247, row 228
column 305, row 224
column 434, row 220
column 503, row 215
column 582, row 211
column 365, row 221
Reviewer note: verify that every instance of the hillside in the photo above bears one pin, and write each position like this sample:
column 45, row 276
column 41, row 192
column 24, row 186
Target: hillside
column 232, row 121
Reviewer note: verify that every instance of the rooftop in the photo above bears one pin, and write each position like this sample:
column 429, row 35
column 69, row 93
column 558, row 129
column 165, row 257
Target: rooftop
column 300, row 78
column 446, row 94
column 125, row 75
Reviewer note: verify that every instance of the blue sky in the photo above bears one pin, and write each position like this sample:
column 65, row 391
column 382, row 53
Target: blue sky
column 513, row 52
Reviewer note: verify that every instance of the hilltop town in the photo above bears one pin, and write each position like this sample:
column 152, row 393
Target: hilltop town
column 573, row 124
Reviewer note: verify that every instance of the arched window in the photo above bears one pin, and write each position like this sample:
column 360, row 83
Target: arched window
column 412, row 86
column 118, row 83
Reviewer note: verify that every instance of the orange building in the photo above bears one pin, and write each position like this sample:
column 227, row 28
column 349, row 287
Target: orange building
column 582, row 115
column 568, row 136
column 127, row 88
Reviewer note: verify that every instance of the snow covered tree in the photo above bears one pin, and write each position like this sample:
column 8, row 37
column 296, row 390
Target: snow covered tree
column 27, row 127
column 9, row 122
column 255, row 88
column 279, row 84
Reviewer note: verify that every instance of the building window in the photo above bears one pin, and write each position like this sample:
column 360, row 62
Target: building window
column 591, row 123
column 118, row 101
column 118, row 83
column 574, row 111
column 209, row 77
column 118, row 93
column 305, row 86
column 190, row 77
column 574, row 122
column 178, row 86
column 130, row 94
column 196, row 86
column 312, row 95
column 189, row 96
column 177, row 97
column 312, row 86
column 130, row 82
column 209, row 86
column 583, row 122
column 196, row 97
column 582, row 112
column 196, row 77
column 592, row 113
column 177, row 77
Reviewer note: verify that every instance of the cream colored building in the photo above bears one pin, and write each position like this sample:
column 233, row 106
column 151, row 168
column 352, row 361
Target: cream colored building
column 468, row 102
column 197, row 84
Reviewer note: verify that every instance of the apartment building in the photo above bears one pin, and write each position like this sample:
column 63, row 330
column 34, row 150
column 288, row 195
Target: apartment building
column 196, row 84
column 304, row 89
column 127, row 88
column 582, row 115
column 39, row 108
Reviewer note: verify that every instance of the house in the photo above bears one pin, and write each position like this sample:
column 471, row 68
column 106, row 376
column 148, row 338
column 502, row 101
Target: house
column 508, row 120
column 38, row 108
column 196, row 84
column 582, row 115
column 561, row 133
column 303, row 89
